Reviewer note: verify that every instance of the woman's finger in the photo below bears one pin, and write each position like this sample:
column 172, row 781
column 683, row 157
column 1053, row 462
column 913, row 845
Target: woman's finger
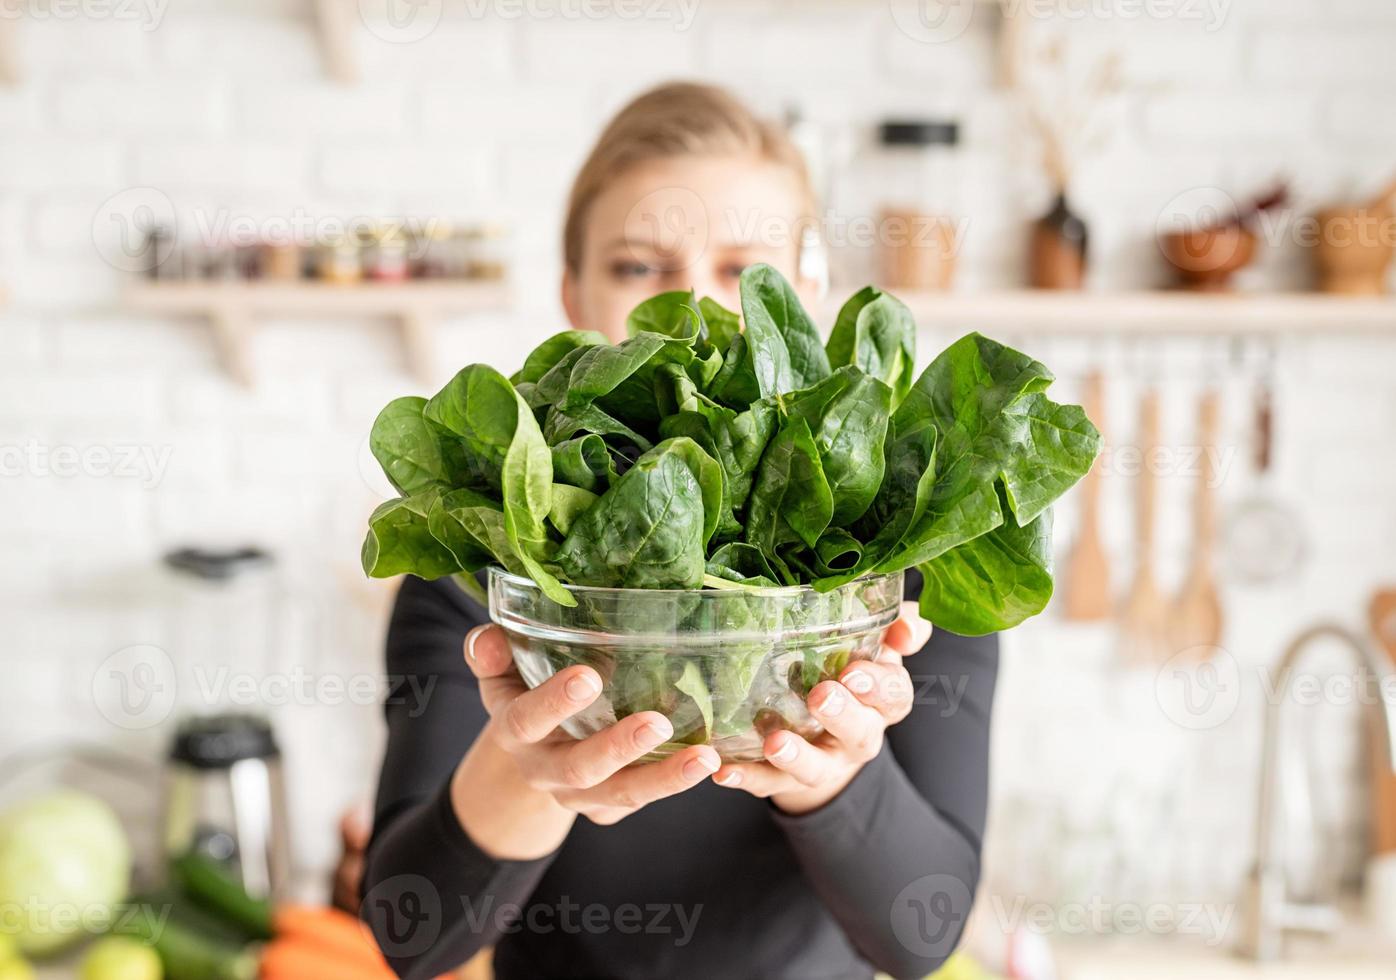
column 637, row 786
column 593, row 760
column 791, row 754
column 885, row 688
column 910, row 632
column 857, row 727
column 489, row 656
column 533, row 715
column 757, row 778
column 487, row 651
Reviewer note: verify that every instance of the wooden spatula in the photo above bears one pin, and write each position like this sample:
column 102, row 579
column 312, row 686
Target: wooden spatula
column 1087, row 578
column 1197, row 617
column 1381, row 615
column 1145, row 613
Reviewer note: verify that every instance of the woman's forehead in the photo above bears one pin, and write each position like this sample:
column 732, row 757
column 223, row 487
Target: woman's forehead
column 724, row 200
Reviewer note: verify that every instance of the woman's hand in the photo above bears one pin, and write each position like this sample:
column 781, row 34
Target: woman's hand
column 855, row 710
column 524, row 781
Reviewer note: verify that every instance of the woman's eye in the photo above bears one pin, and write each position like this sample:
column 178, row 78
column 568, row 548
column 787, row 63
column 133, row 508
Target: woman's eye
column 630, row 270
column 731, row 270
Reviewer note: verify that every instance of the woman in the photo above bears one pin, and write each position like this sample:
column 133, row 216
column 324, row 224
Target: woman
column 855, row 852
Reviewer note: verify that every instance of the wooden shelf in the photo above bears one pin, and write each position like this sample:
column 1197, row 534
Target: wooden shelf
column 233, row 308
column 1178, row 313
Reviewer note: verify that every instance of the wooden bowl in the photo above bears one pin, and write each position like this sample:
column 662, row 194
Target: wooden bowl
column 1206, row 258
column 1354, row 250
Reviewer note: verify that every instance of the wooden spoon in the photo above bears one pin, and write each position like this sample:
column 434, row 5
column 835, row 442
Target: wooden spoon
column 1087, row 578
column 1197, row 618
column 1381, row 614
column 1145, row 612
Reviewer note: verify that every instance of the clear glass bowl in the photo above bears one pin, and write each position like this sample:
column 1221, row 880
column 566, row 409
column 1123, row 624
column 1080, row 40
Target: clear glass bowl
column 726, row 666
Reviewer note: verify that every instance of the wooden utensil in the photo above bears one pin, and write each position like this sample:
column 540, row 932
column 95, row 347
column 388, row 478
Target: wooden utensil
column 1087, row 578
column 1381, row 614
column 1197, row 617
column 1145, row 612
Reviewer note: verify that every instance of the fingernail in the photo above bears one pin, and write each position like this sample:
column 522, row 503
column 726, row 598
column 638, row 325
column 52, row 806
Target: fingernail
column 655, row 733
column 582, row 687
column 470, row 639
column 729, row 779
column 858, row 682
column 832, row 704
column 787, row 751
column 698, row 767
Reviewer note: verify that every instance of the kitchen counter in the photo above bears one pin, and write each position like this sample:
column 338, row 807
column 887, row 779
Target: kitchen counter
column 1349, row 957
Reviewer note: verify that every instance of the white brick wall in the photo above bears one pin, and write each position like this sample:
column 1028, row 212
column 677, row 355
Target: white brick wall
column 224, row 106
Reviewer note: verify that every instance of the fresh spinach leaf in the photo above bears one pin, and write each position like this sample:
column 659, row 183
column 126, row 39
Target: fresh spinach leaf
column 791, row 493
column 649, row 529
column 546, row 355
column 993, row 582
column 785, row 346
column 400, row 542
column 847, row 414
column 875, row 332
column 585, row 462
column 415, row 452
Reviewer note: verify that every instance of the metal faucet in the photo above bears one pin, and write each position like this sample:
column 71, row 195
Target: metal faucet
column 1270, row 911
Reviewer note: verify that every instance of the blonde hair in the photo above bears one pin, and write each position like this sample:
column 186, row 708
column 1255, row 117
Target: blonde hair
column 677, row 119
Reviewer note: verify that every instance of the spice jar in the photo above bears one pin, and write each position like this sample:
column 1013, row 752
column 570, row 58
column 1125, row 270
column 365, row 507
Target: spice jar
column 385, row 256
column 337, row 260
column 486, row 253
column 918, row 174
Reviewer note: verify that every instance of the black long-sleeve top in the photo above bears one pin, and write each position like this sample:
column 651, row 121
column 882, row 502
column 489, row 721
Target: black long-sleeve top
column 710, row 883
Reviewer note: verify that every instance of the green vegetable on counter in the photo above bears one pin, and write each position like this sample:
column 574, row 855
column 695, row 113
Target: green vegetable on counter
column 212, row 886
column 120, row 958
column 191, row 944
column 64, row 864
